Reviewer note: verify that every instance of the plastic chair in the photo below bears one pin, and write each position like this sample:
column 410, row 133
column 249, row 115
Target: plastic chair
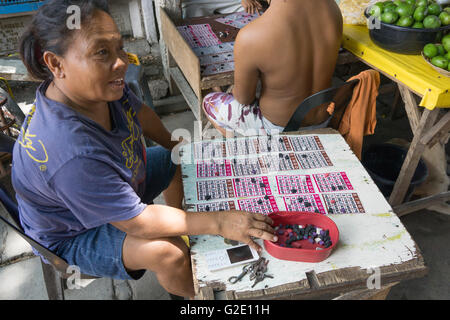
column 340, row 95
column 137, row 81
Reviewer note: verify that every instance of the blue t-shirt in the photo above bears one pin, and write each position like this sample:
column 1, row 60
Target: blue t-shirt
column 71, row 175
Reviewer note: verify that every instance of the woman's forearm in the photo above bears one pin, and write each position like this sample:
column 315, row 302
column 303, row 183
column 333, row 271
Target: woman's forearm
column 159, row 221
column 154, row 129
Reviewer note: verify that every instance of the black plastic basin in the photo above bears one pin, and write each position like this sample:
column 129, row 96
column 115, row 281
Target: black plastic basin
column 384, row 161
column 403, row 40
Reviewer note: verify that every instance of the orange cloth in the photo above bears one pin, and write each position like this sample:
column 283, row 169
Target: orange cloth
column 360, row 118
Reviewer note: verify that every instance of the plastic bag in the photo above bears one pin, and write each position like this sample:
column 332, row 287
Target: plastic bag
column 353, row 10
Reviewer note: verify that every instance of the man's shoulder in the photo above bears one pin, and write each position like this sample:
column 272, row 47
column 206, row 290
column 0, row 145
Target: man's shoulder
column 251, row 37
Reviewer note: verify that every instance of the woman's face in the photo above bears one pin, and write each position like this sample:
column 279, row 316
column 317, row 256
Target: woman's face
column 95, row 63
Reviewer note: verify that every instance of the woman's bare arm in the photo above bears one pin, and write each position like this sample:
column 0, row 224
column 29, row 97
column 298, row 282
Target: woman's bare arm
column 159, row 221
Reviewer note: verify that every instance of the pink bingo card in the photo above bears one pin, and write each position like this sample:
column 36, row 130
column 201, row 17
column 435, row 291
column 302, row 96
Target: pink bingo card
column 199, row 35
column 251, row 186
column 333, row 181
column 304, row 202
column 214, row 168
column 294, row 184
column 264, row 205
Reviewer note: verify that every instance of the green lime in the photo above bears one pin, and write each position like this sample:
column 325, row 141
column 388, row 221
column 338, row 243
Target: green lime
column 417, row 25
column 440, row 62
column 411, row 2
column 389, row 17
column 445, row 18
column 397, row 2
column 447, row 56
column 430, row 50
column 447, row 9
column 405, row 10
column 420, row 13
column 447, row 36
column 405, row 21
column 441, row 49
column 376, row 9
column 434, row 9
column 390, row 7
column 446, row 42
column 422, row 3
column 431, row 22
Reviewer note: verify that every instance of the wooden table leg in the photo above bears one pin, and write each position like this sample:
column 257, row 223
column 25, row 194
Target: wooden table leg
column 411, row 107
column 368, row 294
column 412, row 158
column 422, row 203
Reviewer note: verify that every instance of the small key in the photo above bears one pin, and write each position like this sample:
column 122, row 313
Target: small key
column 261, row 277
column 235, row 279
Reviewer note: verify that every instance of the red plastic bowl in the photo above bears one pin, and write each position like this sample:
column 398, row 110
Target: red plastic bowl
column 307, row 252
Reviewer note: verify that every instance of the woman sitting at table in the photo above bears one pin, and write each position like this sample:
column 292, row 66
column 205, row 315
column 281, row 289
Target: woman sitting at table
column 82, row 176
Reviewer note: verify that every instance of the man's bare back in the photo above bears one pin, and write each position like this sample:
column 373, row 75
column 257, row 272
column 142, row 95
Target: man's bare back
column 292, row 48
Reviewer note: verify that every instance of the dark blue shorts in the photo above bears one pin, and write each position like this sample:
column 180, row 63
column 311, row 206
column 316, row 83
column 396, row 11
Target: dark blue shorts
column 98, row 251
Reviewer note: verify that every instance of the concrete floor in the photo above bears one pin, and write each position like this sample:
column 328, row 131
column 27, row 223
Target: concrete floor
column 429, row 229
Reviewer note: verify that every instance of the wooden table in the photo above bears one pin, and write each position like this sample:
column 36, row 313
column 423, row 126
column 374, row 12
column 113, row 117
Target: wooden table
column 184, row 66
column 374, row 241
column 430, row 126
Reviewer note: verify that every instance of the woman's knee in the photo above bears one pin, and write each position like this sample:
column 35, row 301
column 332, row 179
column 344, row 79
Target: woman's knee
column 155, row 255
column 174, row 253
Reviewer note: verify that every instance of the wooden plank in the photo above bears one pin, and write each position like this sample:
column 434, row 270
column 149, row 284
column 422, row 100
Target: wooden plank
column 287, row 290
column 186, row 91
column 217, row 80
column 206, row 293
column 135, row 18
column 410, row 106
column 338, row 277
column 412, row 158
column 420, row 204
column 437, row 132
column 148, row 14
column 284, row 291
column 182, row 53
column 368, row 294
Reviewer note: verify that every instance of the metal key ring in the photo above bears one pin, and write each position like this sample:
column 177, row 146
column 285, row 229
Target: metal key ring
column 235, row 279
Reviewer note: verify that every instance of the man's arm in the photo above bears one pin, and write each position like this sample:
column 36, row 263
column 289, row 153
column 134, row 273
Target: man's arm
column 153, row 127
column 251, row 6
column 246, row 73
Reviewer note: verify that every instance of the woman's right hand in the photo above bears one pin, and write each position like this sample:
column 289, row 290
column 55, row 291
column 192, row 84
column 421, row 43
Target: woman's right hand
column 241, row 226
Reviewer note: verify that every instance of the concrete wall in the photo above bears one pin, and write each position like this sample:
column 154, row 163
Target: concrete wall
column 10, row 31
column 135, row 18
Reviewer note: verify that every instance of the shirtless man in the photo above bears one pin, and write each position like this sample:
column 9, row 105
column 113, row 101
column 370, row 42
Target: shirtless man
column 292, row 48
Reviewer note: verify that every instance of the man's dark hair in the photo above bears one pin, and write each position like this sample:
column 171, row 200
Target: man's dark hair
column 48, row 31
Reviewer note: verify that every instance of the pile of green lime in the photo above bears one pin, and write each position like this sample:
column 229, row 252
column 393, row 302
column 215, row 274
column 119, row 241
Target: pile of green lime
column 439, row 54
column 412, row 13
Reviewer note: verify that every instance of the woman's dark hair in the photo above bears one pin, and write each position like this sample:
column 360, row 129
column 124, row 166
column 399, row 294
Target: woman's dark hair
column 49, row 31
